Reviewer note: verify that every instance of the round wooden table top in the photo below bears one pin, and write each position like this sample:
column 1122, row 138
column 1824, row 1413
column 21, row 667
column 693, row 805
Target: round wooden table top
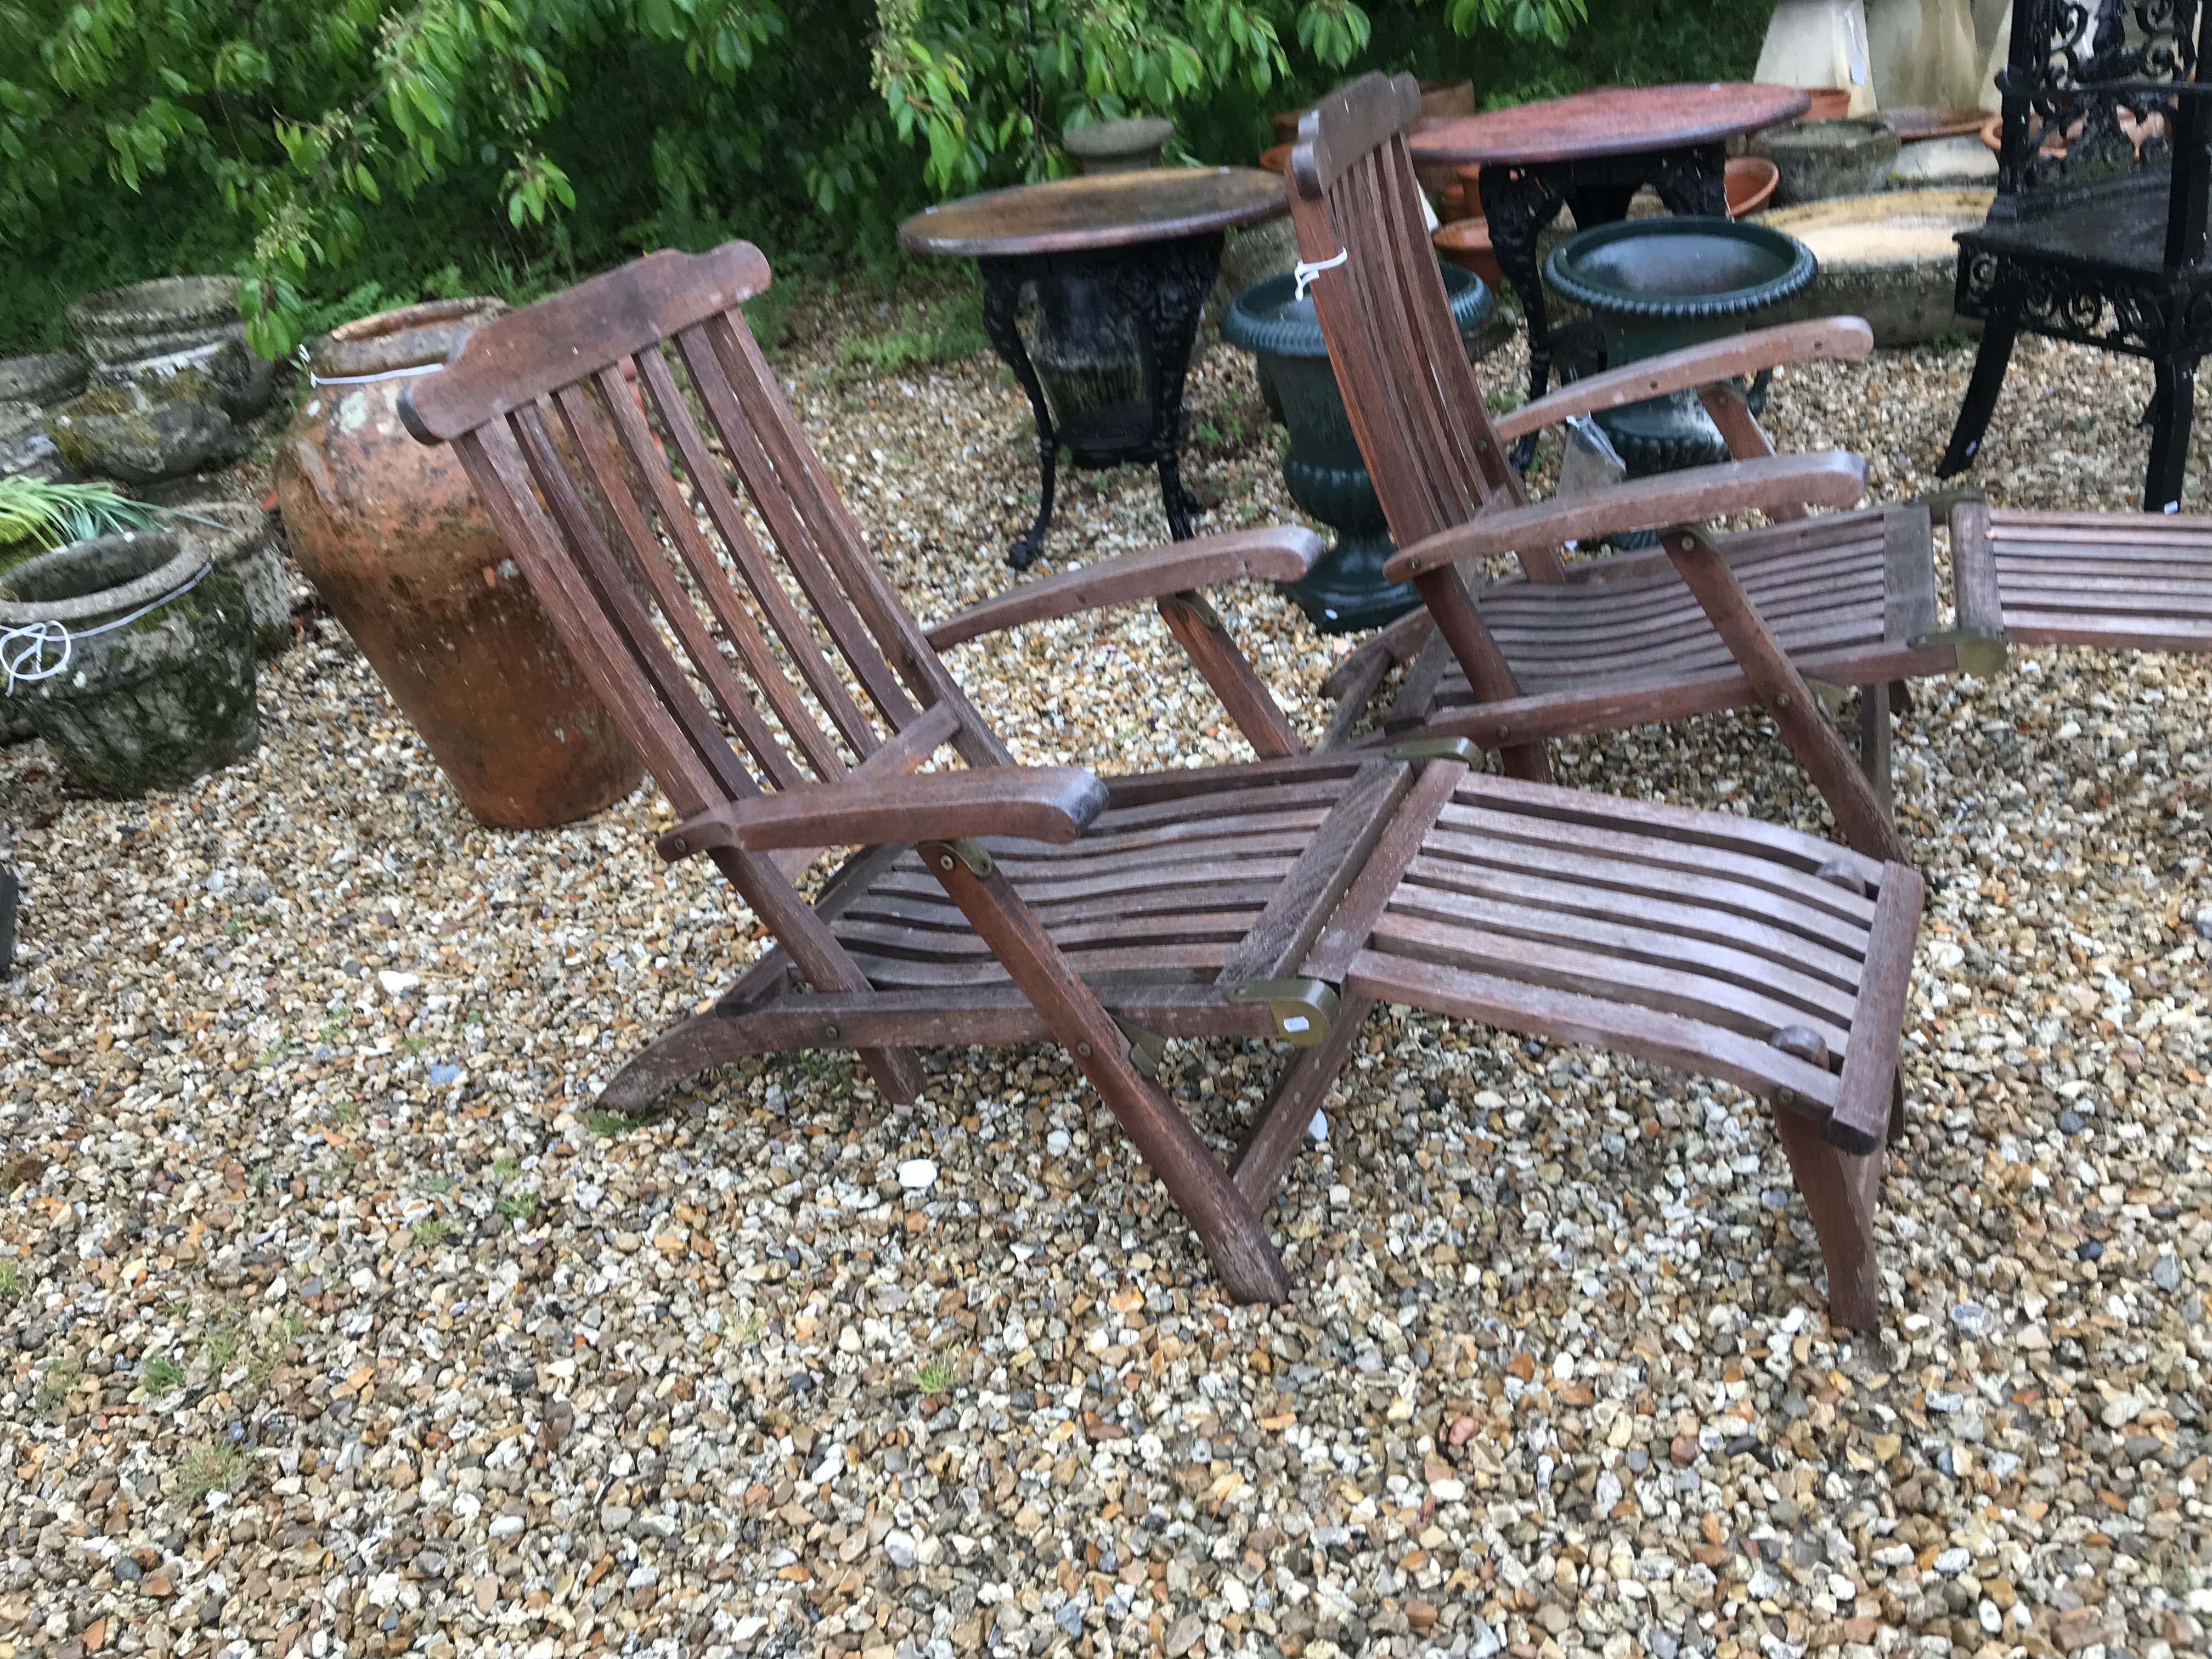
column 1610, row 121
column 1096, row 211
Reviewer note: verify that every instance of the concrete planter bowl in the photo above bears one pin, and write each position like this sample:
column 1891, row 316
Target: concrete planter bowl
column 238, row 537
column 1889, row 258
column 158, row 684
column 151, row 329
column 1819, row 159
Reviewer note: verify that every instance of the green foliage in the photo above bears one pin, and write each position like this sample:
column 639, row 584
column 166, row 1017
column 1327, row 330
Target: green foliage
column 35, row 515
column 11, row 1281
column 936, row 1376
column 160, row 1374
column 980, row 84
column 350, row 155
column 218, row 1466
column 919, row 338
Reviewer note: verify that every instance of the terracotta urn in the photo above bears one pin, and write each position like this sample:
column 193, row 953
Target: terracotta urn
column 390, row 532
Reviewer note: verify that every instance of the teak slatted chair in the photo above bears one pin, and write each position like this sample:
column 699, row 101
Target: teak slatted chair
column 1707, row 624
column 720, row 598
column 2122, row 581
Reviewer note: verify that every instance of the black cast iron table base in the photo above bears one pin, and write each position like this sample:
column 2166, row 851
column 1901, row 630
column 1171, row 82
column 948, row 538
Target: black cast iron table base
column 1519, row 201
column 1162, row 287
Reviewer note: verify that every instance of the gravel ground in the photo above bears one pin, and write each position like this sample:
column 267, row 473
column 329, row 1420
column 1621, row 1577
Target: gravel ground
column 336, row 1322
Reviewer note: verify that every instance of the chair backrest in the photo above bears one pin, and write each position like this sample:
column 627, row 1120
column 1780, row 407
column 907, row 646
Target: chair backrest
column 2082, row 114
column 703, row 622
column 1411, row 393
column 741, row 645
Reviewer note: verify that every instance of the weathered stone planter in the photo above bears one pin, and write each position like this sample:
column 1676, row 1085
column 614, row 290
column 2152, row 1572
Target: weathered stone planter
column 1659, row 284
column 143, row 431
column 1327, row 475
column 1821, row 158
column 153, row 703
column 47, row 378
column 1889, row 257
column 151, row 329
column 238, row 537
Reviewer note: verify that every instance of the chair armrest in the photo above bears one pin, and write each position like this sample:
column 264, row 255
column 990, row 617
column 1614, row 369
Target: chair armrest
column 1279, row 553
column 1032, row 803
column 1832, row 478
column 1844, row 339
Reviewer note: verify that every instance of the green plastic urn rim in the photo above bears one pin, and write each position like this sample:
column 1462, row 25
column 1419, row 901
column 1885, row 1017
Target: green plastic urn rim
column 1681, row 268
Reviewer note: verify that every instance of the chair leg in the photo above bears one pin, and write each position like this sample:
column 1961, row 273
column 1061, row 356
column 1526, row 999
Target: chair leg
column 1873, row 746
column 1226, row 1223
column 1266, row 1154
column 675, row 1057
column 1488, row 675
column 2173, row 410
column 1840, row 1191
column 1990, row 364
column 1782, row 691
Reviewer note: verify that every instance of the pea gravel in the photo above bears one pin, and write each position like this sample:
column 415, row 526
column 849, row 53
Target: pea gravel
column 334, row 1321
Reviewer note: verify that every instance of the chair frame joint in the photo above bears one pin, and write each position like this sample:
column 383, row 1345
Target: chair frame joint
column 1979, row 654
column 1464, row 749
column 1199, row 606
column 969, row 851
column 1304, row 1009
column 1148, row 1050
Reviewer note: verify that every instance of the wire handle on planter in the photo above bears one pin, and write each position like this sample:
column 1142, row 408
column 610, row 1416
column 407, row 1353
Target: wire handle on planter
column 23, row 650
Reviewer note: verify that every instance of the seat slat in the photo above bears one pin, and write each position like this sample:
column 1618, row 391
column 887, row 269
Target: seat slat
column 1565, row 1016
column 1658, row 827
column 1626, row 938
column 1213, row 929
column 1716, row 911
column 1676, row 989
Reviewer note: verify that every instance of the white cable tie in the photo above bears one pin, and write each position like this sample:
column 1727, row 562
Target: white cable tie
column 19, row 646
column 314, row 378
column 1307, row 269
column 300, row 356
column 23, row 650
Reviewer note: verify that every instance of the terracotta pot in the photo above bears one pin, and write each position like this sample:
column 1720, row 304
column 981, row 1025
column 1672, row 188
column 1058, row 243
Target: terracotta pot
column 1442, row 100
column 1750, row 183
column 1829, row 103
column 2055, row 144
column 1466, row 243
column 1277, row 158
column 391, row 533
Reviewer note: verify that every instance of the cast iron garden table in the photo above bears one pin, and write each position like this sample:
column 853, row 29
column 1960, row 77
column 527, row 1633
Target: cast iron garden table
column 1152, row 238
column 1592, row 152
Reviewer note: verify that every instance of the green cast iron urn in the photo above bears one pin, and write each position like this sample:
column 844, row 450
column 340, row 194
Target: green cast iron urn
column 1344, row 592
column 1659, row 284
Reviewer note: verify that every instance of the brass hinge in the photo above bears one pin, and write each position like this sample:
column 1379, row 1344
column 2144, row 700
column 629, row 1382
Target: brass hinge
column 1304, row 1009
column 1978, row 654
column 1148, row 1050
column 1834, row 696
column 970, row 852
column 1459, row 749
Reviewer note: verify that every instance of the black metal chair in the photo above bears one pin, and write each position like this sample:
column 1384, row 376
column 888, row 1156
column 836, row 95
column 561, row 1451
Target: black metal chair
column 2097, row 234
